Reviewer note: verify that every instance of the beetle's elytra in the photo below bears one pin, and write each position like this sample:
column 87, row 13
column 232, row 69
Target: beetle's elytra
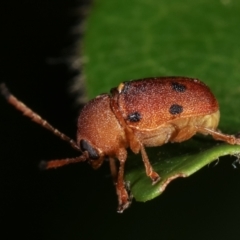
column 137, row 114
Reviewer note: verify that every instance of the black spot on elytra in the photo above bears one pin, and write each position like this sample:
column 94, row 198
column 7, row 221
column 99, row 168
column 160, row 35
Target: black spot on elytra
column 175, row 109
column 134, row 117
column 178, row 87
column 85, row 146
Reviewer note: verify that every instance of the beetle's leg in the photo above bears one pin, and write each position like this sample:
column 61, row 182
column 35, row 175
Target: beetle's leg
column 123, row 198
column 231, row 139
column 149, row 170
column 113, row 169
column 124, row 202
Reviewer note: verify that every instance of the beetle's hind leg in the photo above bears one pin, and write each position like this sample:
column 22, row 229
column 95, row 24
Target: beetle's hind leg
column 217, row 135
column 149, row 170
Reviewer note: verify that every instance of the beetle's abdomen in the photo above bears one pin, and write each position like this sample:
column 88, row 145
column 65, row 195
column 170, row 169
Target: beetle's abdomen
column 151, row 102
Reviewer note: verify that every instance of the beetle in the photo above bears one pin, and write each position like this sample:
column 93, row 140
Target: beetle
column 137, row 114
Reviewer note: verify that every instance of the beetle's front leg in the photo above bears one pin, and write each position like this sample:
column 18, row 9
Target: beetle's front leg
column 124, row 200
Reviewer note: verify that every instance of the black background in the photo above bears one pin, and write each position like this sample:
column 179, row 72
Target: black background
column 77, row 202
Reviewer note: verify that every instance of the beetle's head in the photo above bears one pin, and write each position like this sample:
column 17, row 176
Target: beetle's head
column 99, row 132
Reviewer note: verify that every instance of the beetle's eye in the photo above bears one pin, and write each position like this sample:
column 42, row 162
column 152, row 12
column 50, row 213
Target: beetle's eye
column 85, row 146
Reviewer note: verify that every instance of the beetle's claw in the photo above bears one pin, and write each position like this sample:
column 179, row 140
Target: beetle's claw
column 155, row 178
column 125, row 205
column 125, row 199
column 156, row 181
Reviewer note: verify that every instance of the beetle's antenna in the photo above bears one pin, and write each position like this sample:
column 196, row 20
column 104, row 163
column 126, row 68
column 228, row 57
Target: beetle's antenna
column 34, row 116
column 61, row 162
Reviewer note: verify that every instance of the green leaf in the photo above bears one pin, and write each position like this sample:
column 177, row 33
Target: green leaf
column 127, row 40
column 172, row 168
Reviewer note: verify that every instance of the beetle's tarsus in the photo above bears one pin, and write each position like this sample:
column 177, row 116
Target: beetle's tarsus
column 124, row 205
column 155, row 178
column 124, row 197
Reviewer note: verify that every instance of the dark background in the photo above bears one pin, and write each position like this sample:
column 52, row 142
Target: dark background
column 77, row 202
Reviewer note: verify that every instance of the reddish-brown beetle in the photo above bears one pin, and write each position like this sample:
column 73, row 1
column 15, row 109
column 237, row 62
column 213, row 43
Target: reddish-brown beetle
column 138, row 114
